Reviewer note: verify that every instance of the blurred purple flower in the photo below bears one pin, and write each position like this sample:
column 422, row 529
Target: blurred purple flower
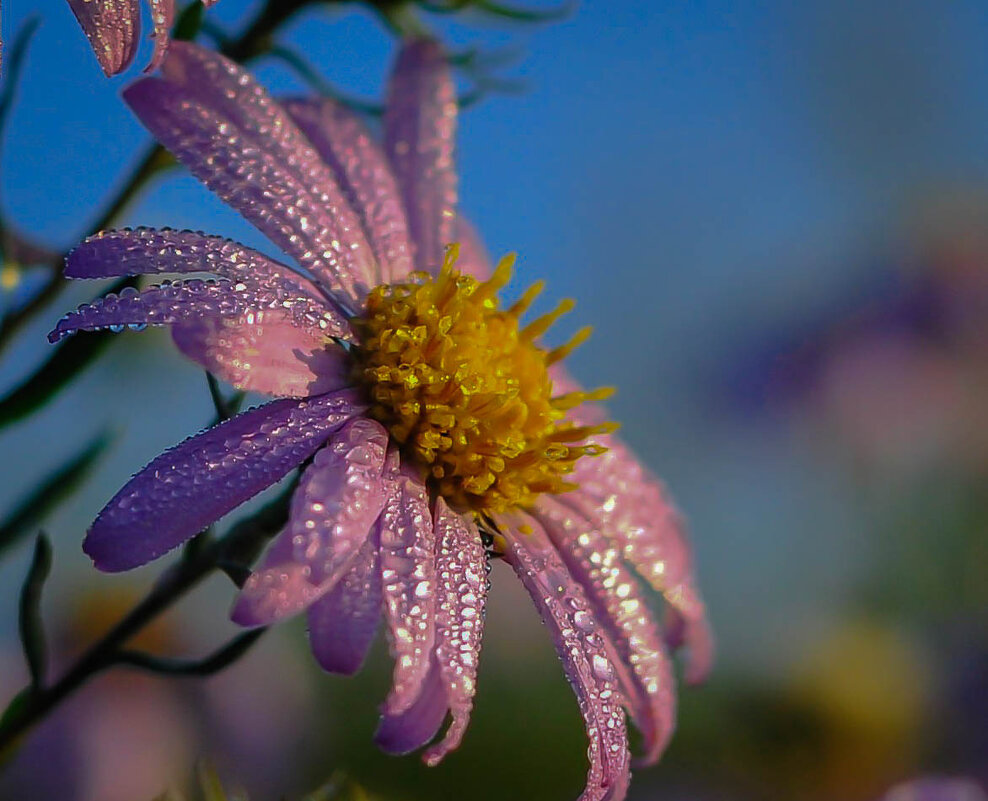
column 936, row 788
column 113, row 27
column 427, row 412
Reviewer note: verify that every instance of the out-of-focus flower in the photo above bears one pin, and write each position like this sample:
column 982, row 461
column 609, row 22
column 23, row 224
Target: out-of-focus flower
column 210, row 787
column 439, row 429
column 936, row 788
column 113, row 28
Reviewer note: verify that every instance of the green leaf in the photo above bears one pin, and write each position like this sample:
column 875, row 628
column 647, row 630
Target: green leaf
column 225, row 407
column 29, row 621
column 57, row 486
column 189, row 22
column 214, row 663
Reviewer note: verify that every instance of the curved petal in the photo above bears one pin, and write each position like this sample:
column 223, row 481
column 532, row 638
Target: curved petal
column 112, row 27
column 461, row 578
column 622, row 610
column 364, row 173
column 197, row 482
column 343, row 622
column 568, row 616
column 264, row 351
column 419, row 133
column 408, row 562
column 631, row 507
column 162, row 18
column 338, row 499
column 404, row 731
column 474, row 259
column 167, row 304
column 227, row 130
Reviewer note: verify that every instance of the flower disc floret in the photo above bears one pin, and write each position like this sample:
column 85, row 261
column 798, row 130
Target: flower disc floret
column 466, row 391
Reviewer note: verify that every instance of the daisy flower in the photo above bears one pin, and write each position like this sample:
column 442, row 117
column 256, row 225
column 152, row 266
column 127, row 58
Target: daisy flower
column 436, row 430
column 113, row 28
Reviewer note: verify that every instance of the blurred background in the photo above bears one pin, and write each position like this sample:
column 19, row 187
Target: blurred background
column 775, row 215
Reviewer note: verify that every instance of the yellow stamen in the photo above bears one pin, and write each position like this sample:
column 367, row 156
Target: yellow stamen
column 465, row 390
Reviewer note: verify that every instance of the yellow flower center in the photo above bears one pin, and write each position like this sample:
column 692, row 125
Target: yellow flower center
column 465, row 389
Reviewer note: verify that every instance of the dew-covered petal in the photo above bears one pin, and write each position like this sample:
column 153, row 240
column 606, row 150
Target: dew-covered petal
column 363, row 171
column 474, row 259
column 622, row 613
column 151, row 251
column 166, row 304
column 408, row 563
column 461, row 594
column 632, row 508
column 162, row 18
column 264, row 351
column 112, row 27
column 219, row 122
column 338, row 500
column 563, row 606
column 401, row 732
column 419, row 133
column 197, row 482
column 343, row 622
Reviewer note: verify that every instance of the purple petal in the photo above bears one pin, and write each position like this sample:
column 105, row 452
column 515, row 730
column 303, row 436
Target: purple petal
column 197, row 482
column 403, row 732
column 568, row 616
column 343, row 622
column 419, row 133
column 112, row 27
column 631, row 507
column 226, row 129
column 364, row 173
column 461, row 577
column 338, row 499
column 408, row 554
column 264, row 351
column 162, row 17
column 157, row 305
column 622, row 611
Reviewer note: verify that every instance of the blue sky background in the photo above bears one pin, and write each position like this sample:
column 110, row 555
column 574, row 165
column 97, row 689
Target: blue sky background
column 692, row 173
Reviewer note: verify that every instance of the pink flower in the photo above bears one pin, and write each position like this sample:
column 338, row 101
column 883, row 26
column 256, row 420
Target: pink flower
column 440, row 432
column 113, row 27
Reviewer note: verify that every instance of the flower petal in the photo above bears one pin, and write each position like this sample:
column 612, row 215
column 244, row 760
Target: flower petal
column 162, row 17
column 568, row 616
column 197, row 482
column 264, row 351
column 338, row 499
column 364, row 173
column 401, row 732
column 150, row 251
column 342, row 623
column 419, row 132
column 112, row 27
column 157, row 305
column 219, row 122
column 408, row 554
column 632, row 508
column 461, row 577
column 621, row 608
column 474, row 259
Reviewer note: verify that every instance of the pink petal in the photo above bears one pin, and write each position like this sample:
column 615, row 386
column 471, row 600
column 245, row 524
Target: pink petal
column 461, row 577
column 408, row 554
column 567, row 614
column 342, row 623
column 162, row 18
column 112, row 27
column 622, row 610
column 474, row 258
column 419, row 132
column 364, row 173
column 227, row 130
column 157, row 305
column 632, row 509
column 264, row 351
column 338, row 499
column 195, row 483
column 401, row 732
